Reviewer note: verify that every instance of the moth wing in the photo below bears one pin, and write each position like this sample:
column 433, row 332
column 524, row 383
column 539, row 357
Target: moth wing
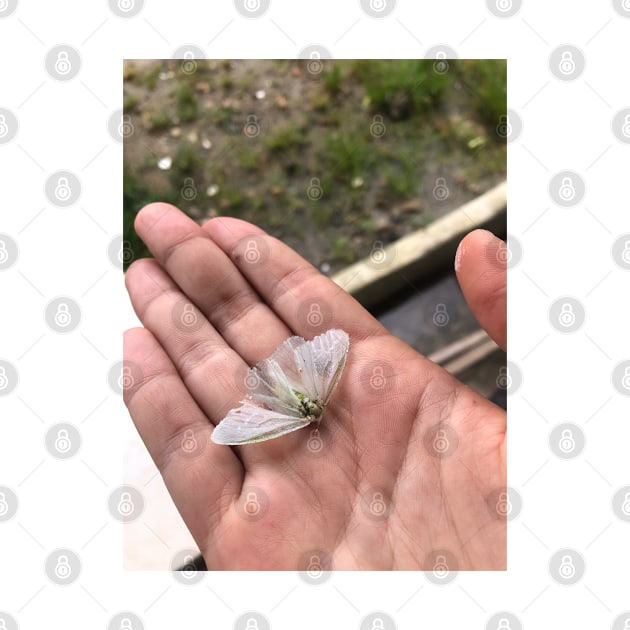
column 321, row 362
column 250, row 423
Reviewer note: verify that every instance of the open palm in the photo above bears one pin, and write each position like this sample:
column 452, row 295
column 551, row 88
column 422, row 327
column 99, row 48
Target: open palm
column 407, row 464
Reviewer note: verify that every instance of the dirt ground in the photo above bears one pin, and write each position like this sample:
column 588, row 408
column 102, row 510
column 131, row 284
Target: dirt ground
column 330, row 158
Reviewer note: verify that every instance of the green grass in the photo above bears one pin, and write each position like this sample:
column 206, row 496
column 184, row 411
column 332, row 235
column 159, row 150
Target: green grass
column 401, row 89
column 486, row 82
column 159, row 120
column 186, row 102
column 150, row 79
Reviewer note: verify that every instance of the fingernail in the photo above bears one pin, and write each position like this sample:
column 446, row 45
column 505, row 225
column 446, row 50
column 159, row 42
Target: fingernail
column 458, row 255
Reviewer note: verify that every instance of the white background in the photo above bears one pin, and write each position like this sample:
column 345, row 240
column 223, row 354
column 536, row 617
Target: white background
column 63, row 251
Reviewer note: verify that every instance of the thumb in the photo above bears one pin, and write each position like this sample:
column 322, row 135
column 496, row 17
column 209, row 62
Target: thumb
column 480, row 265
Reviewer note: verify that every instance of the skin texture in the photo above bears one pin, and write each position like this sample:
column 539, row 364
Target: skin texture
column 186, row 378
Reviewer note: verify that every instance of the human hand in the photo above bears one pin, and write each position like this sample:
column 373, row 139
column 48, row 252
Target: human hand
column 376, row 443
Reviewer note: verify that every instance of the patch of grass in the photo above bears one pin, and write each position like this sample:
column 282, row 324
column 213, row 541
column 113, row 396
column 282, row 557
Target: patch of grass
column 186, row 162
column 136, row 195
column 348, row 155
column 248, row 156
column 486, row 81
column 186, row 102
column 130, row 102
column 150, row 79
column 159, row 120
column 401, row 179
column 403, row 88
column 284, row 138
column 333, row 79
column 343, row 250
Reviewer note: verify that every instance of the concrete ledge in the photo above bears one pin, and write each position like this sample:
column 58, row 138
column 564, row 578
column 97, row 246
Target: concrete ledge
column 390, row 268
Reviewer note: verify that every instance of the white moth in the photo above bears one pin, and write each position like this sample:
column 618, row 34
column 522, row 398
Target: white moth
column 287, row 391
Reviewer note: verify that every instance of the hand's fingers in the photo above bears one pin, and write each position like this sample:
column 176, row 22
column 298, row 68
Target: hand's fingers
column 307, row 301
column 214, row 374
column 480, row 264
column 202, row 477
column 210, row 279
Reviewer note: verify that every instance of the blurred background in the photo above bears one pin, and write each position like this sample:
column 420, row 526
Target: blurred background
column 335, row 158
column 327, row 155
